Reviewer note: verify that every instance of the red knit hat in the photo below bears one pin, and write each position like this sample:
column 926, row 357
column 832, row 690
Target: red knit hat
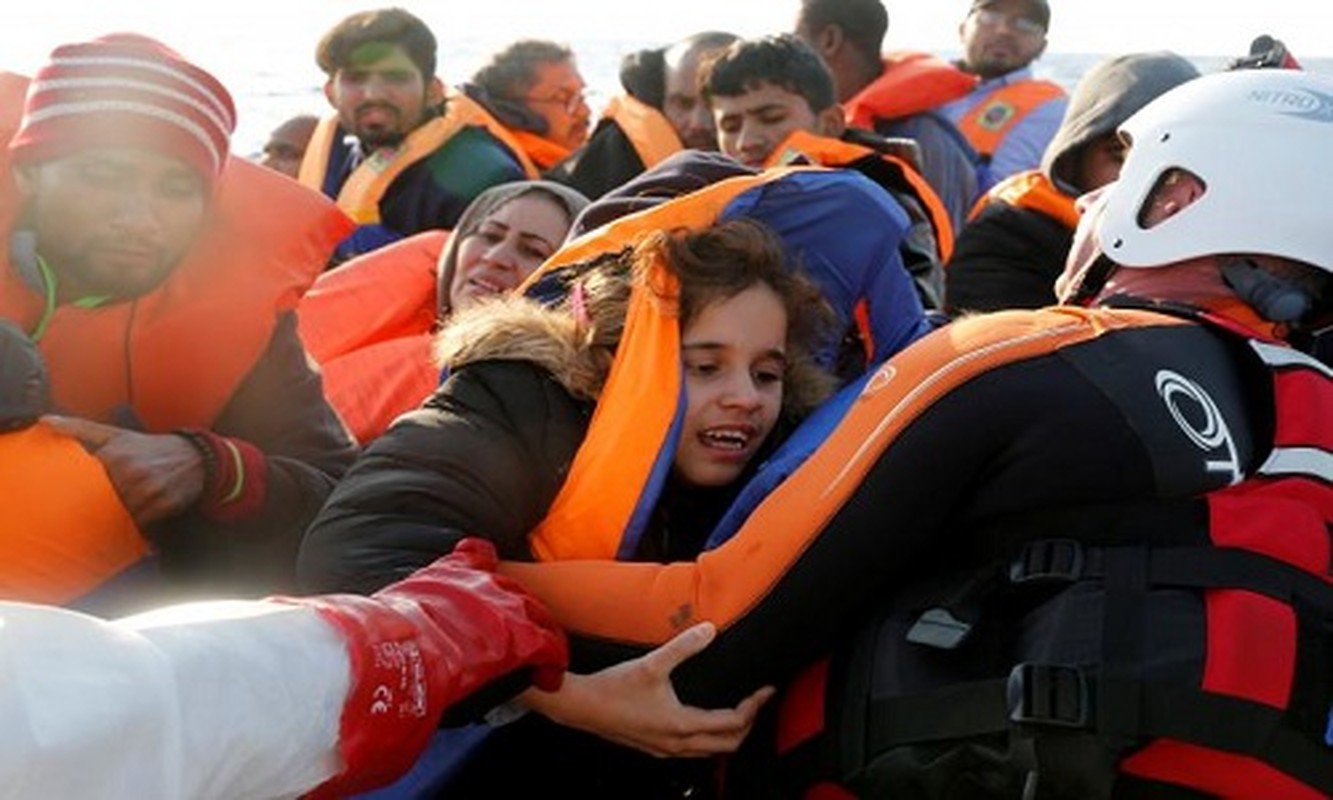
column 125, row 90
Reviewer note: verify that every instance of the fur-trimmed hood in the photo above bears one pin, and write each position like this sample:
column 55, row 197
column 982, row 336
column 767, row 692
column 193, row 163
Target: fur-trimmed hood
column 518, row 328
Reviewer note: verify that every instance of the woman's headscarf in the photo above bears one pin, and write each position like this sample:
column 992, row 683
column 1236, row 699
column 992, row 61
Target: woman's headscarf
column 481, row 209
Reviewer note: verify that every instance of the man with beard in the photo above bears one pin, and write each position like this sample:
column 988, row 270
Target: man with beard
column 1011, row 115
column 398, row 156
column 156, row 277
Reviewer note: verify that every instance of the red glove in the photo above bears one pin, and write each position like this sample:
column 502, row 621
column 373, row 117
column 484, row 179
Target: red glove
column 422, row 644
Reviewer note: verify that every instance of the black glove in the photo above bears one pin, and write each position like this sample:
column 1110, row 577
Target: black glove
column 25, row 391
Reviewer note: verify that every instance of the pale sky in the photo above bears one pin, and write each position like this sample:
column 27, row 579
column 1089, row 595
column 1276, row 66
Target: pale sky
column 263, row 50
column 1191, row 27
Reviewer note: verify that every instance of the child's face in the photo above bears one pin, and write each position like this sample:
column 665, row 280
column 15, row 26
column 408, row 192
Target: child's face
column 750, row 126
column 734, row 356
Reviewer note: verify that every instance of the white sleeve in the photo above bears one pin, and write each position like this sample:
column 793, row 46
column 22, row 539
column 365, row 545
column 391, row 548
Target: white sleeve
column 208, row 700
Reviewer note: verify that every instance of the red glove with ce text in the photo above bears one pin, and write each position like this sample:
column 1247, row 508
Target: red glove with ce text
column 418, row 646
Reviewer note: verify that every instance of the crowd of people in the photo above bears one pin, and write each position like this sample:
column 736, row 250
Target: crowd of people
column 819, row 419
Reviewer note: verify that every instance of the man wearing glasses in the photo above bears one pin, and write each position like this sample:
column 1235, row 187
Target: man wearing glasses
column 534, row 88
column 1011, row 115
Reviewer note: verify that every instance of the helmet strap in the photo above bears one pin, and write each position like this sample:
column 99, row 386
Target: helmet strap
column 1276, row 299
column 1093, row 280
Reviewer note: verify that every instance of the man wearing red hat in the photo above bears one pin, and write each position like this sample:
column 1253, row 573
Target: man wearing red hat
column 158, row 277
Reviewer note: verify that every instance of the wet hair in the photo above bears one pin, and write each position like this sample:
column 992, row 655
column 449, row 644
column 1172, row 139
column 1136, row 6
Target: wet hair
column 513, row 70
column 783, row 60
column 713, row 265
column 863, row 22
column 392, row 26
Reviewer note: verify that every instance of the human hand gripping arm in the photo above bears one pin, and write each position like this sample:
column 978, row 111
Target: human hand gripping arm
column 272, row 698
column 424, row 644
column 156, row 475
column 161, row 475
column 634, row 704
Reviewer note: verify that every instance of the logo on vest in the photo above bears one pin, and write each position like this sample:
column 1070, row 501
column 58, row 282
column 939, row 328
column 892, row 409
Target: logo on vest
column 1201, row 421
column 880, row 380
column 382, row 158
column 996, row 115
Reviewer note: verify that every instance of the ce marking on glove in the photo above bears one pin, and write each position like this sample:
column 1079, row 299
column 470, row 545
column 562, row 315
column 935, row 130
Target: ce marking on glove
column 381, row 700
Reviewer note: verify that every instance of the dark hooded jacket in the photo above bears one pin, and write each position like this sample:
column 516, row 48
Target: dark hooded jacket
column 1009, row 255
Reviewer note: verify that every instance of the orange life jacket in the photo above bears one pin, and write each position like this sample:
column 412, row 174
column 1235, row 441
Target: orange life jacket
column 369, row 325
column 175, row 356
column 910, row 84
column 361, row 193
column 541, row 151
column 648, row 130
column 63, row 530
column 830, row 152
column 591, row 512
column 645, row 604
column 987, row 122
column 1033, row 190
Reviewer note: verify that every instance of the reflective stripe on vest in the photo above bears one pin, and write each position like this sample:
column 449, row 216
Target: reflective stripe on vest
column 1302, row 446
column 646, row 604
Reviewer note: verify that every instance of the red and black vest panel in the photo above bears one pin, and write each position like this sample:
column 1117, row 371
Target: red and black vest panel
column 1177, row 644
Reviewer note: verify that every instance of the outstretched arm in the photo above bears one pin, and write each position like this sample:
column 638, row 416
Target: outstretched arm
column 634, row 704
column 272, row 698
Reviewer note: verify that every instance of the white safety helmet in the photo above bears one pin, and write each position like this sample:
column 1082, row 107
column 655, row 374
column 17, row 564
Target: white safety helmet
column 1261, row 141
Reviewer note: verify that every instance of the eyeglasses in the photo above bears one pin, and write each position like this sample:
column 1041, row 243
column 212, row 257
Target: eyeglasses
column 988, row 18
column 569, row 101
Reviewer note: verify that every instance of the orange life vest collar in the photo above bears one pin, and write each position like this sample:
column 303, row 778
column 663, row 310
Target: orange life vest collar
column 361, row 193
column 175, row 355
column 830, row 152
column 630, row 426
column 1031, row 189
column 541, row 151
column 910, row 84
column 649, row 132
column 992, row 117
column 646, row 604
